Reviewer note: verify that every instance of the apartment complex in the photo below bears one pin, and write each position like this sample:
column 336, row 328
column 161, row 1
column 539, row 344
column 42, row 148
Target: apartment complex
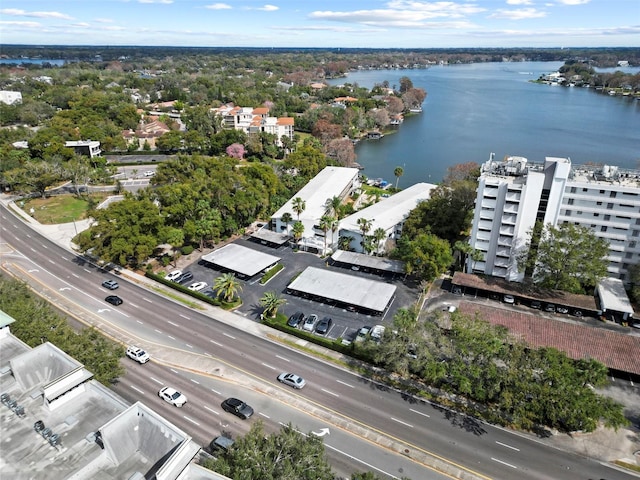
column 255, row 120
column 513, row 194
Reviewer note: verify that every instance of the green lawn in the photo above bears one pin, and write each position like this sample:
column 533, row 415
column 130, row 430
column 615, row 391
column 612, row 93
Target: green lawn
column 58, row 209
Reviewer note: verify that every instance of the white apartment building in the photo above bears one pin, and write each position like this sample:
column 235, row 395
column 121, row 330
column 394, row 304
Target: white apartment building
column 513, row 194
column 10, row 98
column 255, row 120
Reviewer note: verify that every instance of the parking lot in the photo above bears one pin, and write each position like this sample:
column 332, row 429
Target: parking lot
column 346, row 323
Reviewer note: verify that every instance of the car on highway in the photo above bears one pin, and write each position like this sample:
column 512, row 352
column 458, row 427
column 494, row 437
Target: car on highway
column 292, row 380
column 323, row 326
column 184, row 278
column 173, row 275
column 296, row 319
column 114, row 300
column 172, row 396
column 310, row 322
column 362, row 334
column 110, row 284
column 197, row 286
column 237, row 407
column 137, row 354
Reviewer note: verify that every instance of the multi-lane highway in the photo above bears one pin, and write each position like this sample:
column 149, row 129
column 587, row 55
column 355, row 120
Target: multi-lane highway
column 236, row 358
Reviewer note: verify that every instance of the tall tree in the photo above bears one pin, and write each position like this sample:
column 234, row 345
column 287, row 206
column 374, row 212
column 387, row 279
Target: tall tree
column 326, row 223
column 379, row 234
column 332, row 206
column 227, row 286
column 569, row 258
column 298, row 205
column 426, row 255
column 286, row 219
column 298, row 231
column 398, row 172
column 271, row 302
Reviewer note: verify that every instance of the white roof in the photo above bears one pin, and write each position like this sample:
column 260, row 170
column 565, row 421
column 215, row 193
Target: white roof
column 613, row 296
column 243, row 260
column 330, row 182
column 348, row 289
column 391, row 211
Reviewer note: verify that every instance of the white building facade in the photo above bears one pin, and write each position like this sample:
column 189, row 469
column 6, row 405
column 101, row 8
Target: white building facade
column 513, row 194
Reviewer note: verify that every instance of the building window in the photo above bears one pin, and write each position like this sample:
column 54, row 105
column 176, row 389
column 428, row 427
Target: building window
column 570, row 201
column 601, row 192
column 598, row 203
column 612, row 195
column 632, row 244
column 607, row 217
column 568, row 214
column 603, row 228
column 579, row 212
column 585, row 189
column 628, row 255
column 596, row 214
column 635, row 233
column 609, row 206
column 573, row 189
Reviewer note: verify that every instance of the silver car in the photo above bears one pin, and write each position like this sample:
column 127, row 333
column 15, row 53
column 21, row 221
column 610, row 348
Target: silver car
column 310, row 322
column 292, row 380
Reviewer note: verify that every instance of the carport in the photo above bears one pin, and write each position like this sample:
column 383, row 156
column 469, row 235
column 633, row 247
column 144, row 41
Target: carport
column 348, row 290
column 239, row 259
column 270, row 238
column 366, row 263
column 614, row 302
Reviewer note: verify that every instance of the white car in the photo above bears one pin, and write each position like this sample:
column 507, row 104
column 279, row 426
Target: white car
column 173, row 275
column 377, row 332
column 137, row 354
column 197, row 286
column 172, row 396
column 149, row 173
column 508, row 299
column 310, row 322
column 292, row 380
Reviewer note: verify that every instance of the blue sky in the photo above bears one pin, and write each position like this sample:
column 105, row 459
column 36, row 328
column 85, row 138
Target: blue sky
column 323, row 23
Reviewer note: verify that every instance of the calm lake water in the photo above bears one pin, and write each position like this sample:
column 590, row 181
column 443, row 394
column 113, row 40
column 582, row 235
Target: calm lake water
column 474, row 110
column 39, row 61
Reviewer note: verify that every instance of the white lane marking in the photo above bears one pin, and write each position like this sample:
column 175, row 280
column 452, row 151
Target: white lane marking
column 139, row 322
column 174, row 371
column 420, row 413
column 172, row 338
column 134, row 305
column 65, row 259
column 368, row 465
column 504, row 463
column 195, row 381
column 230, row 336
column 158, row 330
column 216, row 343
column 184, row 316
column 216, row 392
column 172, row 323
column 77, row 276
column 210, row 409
column 28, row 236
column 147, row 300
column 330, row 393
column 137, row 389
column 122, row 313
column 190, row 346
column 87, row 270
column 157, row 381
column 190, row 420
column 44, row 246
column 51, row 261
column 262, row 414
column 32, row 249
column 282, row 358
column 268, row 366
column 508, row 446
column 401, row 422
column 345, row 384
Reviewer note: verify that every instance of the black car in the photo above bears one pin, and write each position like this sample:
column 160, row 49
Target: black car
column 185, row 277
column 295, row 319
column 113, row 300
column 237, row 407
column 324, row 325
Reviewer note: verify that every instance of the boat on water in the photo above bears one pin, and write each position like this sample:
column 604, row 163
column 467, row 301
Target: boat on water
column 416, row 110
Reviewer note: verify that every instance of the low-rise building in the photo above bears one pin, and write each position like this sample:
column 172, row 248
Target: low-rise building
column 255, row 120
column 88, row 148
column 10, row 98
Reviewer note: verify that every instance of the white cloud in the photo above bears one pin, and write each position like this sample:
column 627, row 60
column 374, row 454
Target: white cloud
column 520, row 14
column 22, row 24
column 573, row 2
column 268, row 8
column 23, row 13
column 519, row 2
column 218, row 6
column 103, row 20
column 164, row 2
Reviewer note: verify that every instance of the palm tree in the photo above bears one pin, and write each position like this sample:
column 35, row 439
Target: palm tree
column 298, row 206
column 332, row 206
column 298, row 230
column 344, row 242
column 286, row 219
column 365, row 226
column 271, row 302
column 379, row 234
column 226, row 286
column 325, row 225
column 398, row 172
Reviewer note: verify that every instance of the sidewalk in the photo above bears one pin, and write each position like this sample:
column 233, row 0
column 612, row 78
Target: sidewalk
column 604, row 444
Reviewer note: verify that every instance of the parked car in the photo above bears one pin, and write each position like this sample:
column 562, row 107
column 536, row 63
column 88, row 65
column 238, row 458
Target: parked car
column 197, row 286
column 377, row 332
column 184, row 278
column 550, row 307
column 310, row 322
column 137, row 354
column 296, row 319
column 110, row 284
column 324, row 326
column 172, row 396
column 562, row 310
column 509, row 299
column 292, row 380
column 221, row 443
column 361, row 336
column 173, row 275
column 149, row 173
column 237, row 407
column 114, row 300
column 536, row 304
column 577, row 313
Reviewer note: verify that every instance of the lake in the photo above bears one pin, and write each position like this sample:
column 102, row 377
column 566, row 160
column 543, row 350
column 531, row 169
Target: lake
column 474, row 110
